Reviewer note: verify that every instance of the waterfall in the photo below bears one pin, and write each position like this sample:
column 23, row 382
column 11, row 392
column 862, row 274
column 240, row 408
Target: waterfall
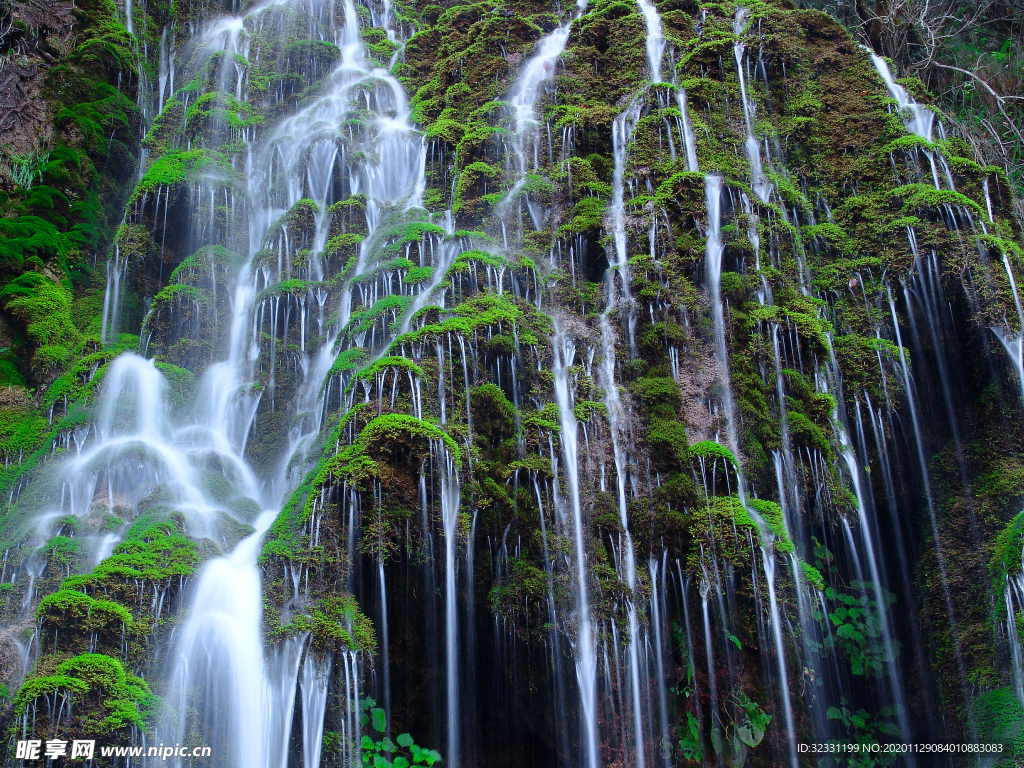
column 539, row 69
column 988, row 200
column 613, row 404
column 655, row 39
column 315, row 678
column 1013, row 596
column 112, row 294
column 658, row 573
column 714, row 248
column 881, row 605
column 586, row 658
column 529, row 87
column 922, row 464
column 450, row 493
column 622, row 131
column 688, row 138
column 713, row 251
column 1013, row 343
column 918, row 119
column 220, row 652
column 922, row 120
column 758, row 181
column 246, row 709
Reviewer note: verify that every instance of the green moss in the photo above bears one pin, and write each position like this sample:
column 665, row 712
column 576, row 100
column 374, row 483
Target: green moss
column 392, row 304
column 180, row 166
column 524, row 584
column 660, row 396
column 28, row 238
column 585, row 410
column 999, row 718
column 293, row 287
column 181, row 383
column 177, row 292
column 337, row 621
column 1006, row 554
column 480, row 312
column 709, row 449
column 201, row 261
column 153, row 551
column 587, row 216
column 469, row 187
column 493, row 414
column 388, row 363
column 344, row 242
column 109, row 700
column 86, row 614
column 914, row 196
column 812, row 575
column 668, row 442
column 771, row 513
column 389, row 427
column 44, row 306
column 62, row 550
column 466, row 258
column 346, row 361
column 417, row 275
column 546, row 419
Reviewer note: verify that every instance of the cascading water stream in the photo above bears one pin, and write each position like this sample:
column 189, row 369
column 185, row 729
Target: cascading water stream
column 613, row 404
column 622, row 130
column 758, row 181
column 450, row 493
column 890, row 649
column 314, row 684
column 247, row 707
column 922, row 463
column 689, row 139
column 1013, row 597
column 586, row 658
column 714, row 249
column 1013, row 343
column 655, row 38
column 921, row 121
column 529, row 87
column 343, row 149
column 539, row 69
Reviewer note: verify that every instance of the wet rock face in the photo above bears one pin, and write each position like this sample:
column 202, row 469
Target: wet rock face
column 635, row 383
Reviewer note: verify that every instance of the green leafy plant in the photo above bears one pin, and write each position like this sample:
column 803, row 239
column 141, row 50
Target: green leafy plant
column 857, row 628
column 744, row 728
column 385, row 753
column 25, row 168
column 690, row 745
column 867, row 732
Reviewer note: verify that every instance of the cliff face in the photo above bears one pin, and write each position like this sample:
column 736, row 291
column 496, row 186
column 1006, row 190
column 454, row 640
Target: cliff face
column 632, row 383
